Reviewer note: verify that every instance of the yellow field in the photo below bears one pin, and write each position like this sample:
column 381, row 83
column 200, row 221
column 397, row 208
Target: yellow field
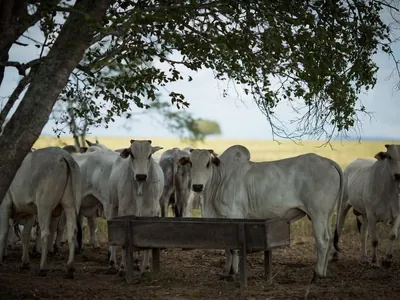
column 343, row 153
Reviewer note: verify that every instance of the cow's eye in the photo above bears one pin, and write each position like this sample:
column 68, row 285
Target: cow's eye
column 149, row 156
column 208, row 164
column 132, row 156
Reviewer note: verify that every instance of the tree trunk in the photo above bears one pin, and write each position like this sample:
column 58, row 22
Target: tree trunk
column 49, row 79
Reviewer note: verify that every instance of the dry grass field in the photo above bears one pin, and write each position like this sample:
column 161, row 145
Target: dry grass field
column 193, row 274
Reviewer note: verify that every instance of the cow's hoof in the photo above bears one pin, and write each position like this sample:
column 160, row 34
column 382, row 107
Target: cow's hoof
column 24, row 266
column 70, row 273
column 121, row 273
column 97, row 247
column 147, row 275
column 223, row 276
column 35, row 254
column 136, row 267
column 335, row 257
column 51, row 253
column 386, row 263
column 316, row 278
column 111, row 270
column 375, row 265
column 9, row 247
column 43, row 272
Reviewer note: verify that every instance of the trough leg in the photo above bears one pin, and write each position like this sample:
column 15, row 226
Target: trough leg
column 268, row 265
column 155, row 253
column 243, row 256
column 243, row 266
column 128, row 253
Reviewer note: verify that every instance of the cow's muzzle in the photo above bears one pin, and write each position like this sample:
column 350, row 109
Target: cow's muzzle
column 197, row 188
column 141, row 177
column 397, row 176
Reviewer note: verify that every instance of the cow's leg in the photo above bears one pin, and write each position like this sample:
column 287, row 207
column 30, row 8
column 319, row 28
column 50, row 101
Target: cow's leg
column 338, row 230
column 228, row 264
column 136, row 260
column 392, row 238
column 112, row 211
column 374, row 237
column 53, row 228
column 37, row 248
column 364, row 236
column 146, row 263
column 92, row 228
column 25, row 238
column 70, row 216
column 60, row 231
column 235, row 265
column 44, row 218
column 330, row 239
column 321, row 235
column 5, row 213
column 164, row 201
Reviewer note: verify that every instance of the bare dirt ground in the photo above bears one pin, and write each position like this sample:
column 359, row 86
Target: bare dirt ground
column 194, row 275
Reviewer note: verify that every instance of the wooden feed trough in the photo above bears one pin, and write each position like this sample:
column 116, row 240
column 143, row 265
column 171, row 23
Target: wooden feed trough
column 247, row 235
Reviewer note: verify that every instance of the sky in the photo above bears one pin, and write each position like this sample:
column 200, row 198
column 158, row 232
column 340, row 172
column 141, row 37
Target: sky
column 239, row 118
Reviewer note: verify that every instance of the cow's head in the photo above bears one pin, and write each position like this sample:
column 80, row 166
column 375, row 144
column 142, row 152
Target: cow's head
column 139, row 154
column 392, row 156
column 201, row 171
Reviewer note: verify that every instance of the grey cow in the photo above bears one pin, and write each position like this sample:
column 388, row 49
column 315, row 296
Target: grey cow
column 235, row 187
column 47, row 182
column 136, row 185
column 175, row 165
column 372, row 189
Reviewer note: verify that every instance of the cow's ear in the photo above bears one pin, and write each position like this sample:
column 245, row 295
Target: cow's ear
column 90, row 143
column 125, row 153
column 149, row 141
column 216, row 161
column 191, row 150
column 132, row 141
column 155, row 149
column 381, row 155
column 184, row 160
column 83, row 149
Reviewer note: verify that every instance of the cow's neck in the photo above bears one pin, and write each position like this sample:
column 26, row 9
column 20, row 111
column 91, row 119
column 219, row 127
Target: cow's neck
column 388, row 189
column 212, row 196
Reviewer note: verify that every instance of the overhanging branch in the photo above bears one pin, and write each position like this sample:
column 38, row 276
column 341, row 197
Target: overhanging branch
column 21, row 67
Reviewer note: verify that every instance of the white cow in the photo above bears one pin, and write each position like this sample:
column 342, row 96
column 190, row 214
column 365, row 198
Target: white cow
column 136, row 185
column 47, row 182
column 176, row 183
column 235, row 187
column 372, row 189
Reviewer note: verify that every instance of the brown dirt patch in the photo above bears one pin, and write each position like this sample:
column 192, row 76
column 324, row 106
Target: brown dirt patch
column 194, row 275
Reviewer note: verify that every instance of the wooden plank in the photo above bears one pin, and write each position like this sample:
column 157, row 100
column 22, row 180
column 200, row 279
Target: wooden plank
column 155, row 254
column 116, row 233
column 155, row 232
column 186, row 235
column 268, row 265
column 242, row 256
column 128, row 252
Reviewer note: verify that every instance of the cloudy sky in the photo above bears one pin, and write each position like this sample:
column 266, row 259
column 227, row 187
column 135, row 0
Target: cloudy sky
column 238, row 117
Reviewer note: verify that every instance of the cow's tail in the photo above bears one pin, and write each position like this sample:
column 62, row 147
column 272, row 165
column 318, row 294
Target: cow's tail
column 76, row 184
column 339, row 206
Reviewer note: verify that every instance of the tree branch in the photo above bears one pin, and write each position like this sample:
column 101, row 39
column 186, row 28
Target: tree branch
column 23, row 83
column 21, row 67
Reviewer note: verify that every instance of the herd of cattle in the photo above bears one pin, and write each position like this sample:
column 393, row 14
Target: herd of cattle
column 56, row 187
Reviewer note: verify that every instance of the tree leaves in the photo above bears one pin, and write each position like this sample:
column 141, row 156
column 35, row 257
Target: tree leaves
column 319, row 51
